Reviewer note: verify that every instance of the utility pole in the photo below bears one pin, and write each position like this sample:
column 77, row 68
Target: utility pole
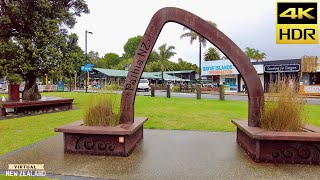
column 87, row 78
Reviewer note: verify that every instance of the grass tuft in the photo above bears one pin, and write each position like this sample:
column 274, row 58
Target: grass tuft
column 284, row 108
column 101, row 110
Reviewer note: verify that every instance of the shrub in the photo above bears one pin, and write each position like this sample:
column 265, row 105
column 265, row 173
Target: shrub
column 101, row 110
column 284, row 108
column 175, row 88
column 113, row 87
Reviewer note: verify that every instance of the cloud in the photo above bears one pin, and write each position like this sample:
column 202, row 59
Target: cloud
column 249, row 23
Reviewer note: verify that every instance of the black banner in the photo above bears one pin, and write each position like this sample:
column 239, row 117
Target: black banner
column 282, row 68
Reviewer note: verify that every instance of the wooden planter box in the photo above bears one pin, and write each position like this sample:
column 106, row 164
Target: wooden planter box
column 280, row 147
column 102, row 140
column 13, row 91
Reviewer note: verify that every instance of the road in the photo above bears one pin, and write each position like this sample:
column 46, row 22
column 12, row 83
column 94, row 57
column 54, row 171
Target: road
column 238, row 97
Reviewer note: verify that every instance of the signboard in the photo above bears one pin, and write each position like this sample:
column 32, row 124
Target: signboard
column 282, row 68
column 86, row 68
column 223, row 67
column 60, row 86
column 310, row 89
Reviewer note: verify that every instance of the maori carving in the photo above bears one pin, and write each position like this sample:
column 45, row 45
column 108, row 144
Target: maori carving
column 213, row 35
column 86, row 143
column 303, row 152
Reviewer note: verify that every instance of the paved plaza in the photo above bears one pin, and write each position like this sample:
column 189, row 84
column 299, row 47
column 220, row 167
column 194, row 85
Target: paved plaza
column 162, row 154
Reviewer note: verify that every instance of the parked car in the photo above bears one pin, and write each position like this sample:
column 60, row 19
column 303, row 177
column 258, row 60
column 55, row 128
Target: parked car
column 144, row 85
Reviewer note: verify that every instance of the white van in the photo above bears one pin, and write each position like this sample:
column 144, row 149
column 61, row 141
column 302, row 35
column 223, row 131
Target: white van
column 143, row 85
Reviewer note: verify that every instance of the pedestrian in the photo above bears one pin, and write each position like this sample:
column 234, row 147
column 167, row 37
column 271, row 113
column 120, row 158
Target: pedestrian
column 244, row 88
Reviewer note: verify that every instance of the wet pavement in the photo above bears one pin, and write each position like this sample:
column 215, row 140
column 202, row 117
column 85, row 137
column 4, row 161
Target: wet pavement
column 161, row 155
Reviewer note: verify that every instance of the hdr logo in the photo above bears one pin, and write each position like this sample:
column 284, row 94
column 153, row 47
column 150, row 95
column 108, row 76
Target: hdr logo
column 297, row 23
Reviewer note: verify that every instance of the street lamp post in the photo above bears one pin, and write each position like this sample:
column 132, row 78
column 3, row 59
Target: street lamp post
column 87, row 59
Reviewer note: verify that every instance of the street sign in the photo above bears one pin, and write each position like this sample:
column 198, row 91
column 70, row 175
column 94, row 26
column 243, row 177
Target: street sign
column 86, row 68
column 90, row 65
column 60, row 86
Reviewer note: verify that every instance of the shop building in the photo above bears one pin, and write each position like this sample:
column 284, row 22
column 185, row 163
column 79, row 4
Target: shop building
column 289, row 68
column 103, row 77
column 224, row 72
column 310, row 75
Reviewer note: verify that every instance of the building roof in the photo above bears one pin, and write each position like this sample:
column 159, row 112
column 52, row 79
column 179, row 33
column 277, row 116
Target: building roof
column 179, row 72
column 285, row 61
column 112, row 72
column 166, row 76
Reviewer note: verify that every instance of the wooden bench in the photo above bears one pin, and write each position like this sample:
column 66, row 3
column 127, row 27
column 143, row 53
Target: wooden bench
column 45, row 103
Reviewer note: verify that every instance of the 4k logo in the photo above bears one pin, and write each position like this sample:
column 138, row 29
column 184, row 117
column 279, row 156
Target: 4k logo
column 297, row 23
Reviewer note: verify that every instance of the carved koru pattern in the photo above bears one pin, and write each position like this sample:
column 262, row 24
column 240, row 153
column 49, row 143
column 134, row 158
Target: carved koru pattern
column 309, row 152
column 86, row 143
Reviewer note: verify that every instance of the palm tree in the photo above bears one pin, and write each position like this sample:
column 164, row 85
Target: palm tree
column 212, row 54
column 260, row 56
column 164, row 55
column 202, row 41
column 252, row 53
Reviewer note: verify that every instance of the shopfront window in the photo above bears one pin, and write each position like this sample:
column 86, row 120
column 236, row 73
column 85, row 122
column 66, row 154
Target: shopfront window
column 231, row 84
column 315, row 78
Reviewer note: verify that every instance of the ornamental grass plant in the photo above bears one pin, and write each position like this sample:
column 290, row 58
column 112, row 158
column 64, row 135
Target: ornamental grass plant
column 102, row 110
column 284, row 108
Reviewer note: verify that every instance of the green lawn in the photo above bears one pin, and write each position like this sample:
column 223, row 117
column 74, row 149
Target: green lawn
column 163, row 113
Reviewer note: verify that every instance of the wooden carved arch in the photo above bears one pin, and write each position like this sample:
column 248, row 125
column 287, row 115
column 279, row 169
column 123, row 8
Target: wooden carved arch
column 212, row 34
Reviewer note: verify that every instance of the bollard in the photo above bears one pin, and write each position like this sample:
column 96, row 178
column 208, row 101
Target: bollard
column 152, row 90
column 221, row 94
column 198, row 91
column 168, row 91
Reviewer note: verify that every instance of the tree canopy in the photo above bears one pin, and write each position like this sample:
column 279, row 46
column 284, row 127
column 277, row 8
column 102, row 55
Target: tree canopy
column 34, row 36
column 131, row 46
column 252, row 53
column 108, row 61
column 158, row 58
column 212, row 54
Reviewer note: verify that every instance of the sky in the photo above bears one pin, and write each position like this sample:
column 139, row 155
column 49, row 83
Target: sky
column 249, row 23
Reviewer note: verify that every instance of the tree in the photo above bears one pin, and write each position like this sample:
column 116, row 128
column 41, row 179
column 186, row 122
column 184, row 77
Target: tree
column 194, row 36
column 212, row 54
column 252, row 53
column 164, row 55
column 154, row 66
column 108, row 61
column 124, row 63
column 34, row 36
column 131, row 46
column 184, row 65
column 260, row 56
column 73, row 55
column 93, row 57
column 154, row 56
